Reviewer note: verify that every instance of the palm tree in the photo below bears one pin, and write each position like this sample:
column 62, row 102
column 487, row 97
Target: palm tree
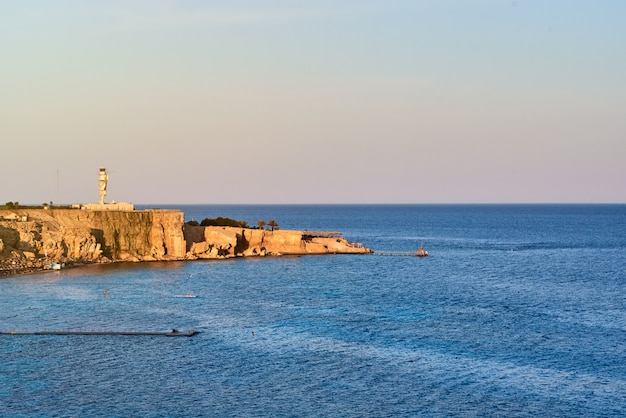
column 261, row 224
column 272, row 224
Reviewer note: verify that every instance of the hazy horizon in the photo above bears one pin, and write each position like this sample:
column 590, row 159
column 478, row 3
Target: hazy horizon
column 142, row 206
column 313, row 102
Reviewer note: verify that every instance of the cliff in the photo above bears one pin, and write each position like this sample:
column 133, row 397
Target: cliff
column 30, row 239
column 226, row 242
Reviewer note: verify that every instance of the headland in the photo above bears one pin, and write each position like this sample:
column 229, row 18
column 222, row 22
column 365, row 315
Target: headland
column 49, row 237
column 36, row 239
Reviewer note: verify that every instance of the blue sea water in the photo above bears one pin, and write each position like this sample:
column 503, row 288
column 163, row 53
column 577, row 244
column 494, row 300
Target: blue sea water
column 519, row 311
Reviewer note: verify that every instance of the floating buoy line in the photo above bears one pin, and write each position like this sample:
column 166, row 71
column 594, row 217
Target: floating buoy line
column 172, row 333
column 421, row 252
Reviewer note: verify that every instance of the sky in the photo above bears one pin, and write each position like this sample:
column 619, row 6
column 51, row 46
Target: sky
column 313, row 101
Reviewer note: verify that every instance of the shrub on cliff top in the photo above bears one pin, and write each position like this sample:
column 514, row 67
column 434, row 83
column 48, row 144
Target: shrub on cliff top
column 219, row 221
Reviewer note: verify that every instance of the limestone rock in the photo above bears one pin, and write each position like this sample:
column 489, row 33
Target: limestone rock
column 32, row 238
column 225, row 242
column 9, row 235
column 73, row 234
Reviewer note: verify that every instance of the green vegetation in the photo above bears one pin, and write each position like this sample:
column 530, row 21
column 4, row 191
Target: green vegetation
column 272, row 224
column 17, row 205
column 219, row 221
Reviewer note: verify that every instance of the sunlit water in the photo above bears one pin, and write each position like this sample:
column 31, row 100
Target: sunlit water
column 519, row 311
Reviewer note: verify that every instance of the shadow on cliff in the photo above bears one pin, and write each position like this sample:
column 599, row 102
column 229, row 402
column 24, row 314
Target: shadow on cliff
column 193, row 234
column 242, row 244
column 11, row 240
column 107, row 251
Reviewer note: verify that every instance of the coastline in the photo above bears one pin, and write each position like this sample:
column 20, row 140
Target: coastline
column 31, row 240
column 36, row 267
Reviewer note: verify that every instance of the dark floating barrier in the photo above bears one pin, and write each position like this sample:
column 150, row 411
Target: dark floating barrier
column 172, row 333
column 421, row 252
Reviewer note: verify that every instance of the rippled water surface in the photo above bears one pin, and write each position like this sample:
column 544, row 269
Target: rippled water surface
column 520, row 311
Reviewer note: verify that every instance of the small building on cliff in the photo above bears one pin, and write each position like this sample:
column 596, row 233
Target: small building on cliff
column 119, row 206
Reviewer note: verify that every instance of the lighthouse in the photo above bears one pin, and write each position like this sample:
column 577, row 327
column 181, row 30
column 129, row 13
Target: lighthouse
column 103, row 178
column 103, row 185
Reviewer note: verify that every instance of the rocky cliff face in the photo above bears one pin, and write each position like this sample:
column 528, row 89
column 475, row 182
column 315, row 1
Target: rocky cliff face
column 132, row 235
column 31, row 239
column 226, row 242
column 64, row 235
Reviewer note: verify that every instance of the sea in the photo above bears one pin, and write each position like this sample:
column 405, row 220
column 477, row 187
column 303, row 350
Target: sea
column 519, row 311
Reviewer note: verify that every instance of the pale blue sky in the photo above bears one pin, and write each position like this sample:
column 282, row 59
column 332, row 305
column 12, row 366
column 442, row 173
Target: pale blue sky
column 302, row 101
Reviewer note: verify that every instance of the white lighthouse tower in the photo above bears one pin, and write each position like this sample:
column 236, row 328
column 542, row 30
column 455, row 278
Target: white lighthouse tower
column 103, row 178
column 103, row 182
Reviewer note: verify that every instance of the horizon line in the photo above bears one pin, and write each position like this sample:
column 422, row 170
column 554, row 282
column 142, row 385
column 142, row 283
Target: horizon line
column 350, row 203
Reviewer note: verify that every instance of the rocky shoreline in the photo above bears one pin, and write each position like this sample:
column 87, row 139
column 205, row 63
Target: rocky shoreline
column 32, row 239
column 16, row 266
